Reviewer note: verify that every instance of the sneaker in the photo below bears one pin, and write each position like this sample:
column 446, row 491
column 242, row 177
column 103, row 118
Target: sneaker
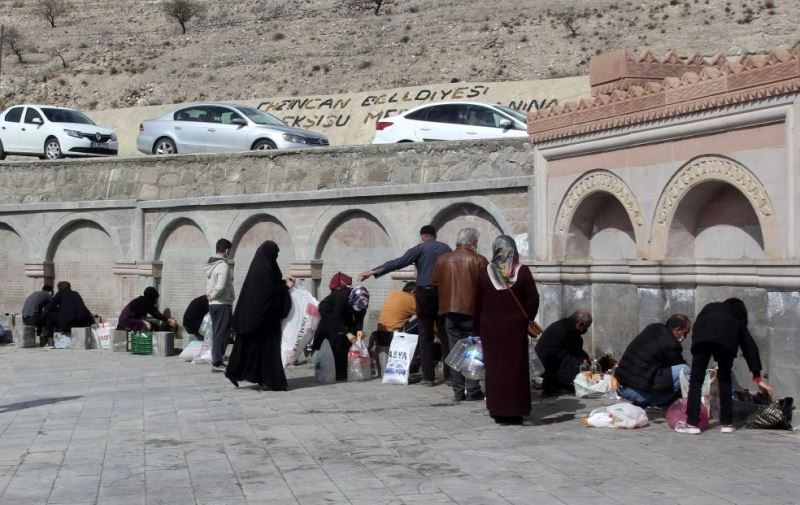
column 218, row 368
column 727, row 429
column 474, row 397
column 687, row 429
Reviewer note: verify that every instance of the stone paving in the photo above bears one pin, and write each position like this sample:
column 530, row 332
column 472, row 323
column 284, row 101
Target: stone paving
column 94, row 427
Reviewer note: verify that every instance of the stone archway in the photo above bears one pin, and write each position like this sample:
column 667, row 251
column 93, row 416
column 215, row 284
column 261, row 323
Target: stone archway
column 182, row 252
column 15, row 286
column 599, row 217
column 455, row 216
column 714, row 207
column 82, row 253
column 250, row 235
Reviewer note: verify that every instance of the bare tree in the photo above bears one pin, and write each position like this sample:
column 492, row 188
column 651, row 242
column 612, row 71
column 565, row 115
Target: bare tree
column 59, row 53
column 569, row 18
column 368, row 5
column 51, row 10
column 13, row 38
column 183, row 10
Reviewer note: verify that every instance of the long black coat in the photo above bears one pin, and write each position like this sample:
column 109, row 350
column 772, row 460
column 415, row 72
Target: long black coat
column 560, row 349
column 719, row 323
column 71, row 310
column 646, row 365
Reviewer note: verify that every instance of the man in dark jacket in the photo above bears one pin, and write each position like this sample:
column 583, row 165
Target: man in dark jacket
column 194, row 314
column 33, row 312
column 66, row 311
column 649, row 371
column 455, row 277
column 720, row 330
column 560, row 349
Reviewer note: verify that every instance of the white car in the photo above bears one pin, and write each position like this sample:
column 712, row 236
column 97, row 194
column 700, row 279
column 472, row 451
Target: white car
column 219, row 127
column 51, row 132
column 459, row 120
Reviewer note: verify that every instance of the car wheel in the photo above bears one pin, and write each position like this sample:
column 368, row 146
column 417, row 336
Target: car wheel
column 264, row 145
column 52, row 149
column 2, row 152
column 165, row 145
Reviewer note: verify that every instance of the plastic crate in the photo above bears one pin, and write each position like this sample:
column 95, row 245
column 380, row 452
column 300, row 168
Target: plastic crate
column 141, row 342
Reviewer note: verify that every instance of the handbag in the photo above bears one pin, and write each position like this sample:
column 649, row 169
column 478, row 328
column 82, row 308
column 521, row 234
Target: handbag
column 534, row 330
column 775, row 416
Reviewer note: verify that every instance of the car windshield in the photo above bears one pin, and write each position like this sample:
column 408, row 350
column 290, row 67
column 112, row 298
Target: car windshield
column 260, row 117
column 519, row 116
column 65, row 116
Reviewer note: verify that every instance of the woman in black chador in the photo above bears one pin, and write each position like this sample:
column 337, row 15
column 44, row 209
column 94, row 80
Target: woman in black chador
column 263, row 302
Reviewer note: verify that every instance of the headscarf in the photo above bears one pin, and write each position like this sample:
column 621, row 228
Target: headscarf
column 264, row 300
column 505, row 262
column 151, row 293
column 340, row 280
column 359, row 298
column 145, row 304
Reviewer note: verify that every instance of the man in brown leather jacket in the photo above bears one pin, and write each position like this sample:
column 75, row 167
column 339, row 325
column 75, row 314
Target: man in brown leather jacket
column 455, row 276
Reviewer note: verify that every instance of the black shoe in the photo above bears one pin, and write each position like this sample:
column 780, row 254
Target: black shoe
column 426, row 383
column 474, row 397
column 460, row 396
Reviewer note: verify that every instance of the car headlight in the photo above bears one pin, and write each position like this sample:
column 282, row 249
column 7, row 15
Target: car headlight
column 73, row 133
column 114, row 136
column 295, row 139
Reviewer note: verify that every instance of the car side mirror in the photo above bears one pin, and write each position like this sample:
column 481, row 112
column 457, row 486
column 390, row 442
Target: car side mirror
column 506, row 124
column 37, row 120
column 238, row 121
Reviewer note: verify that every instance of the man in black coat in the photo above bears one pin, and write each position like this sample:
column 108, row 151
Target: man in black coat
column 194, row 314
column 560, row 349
column 719, row 332
column 649, row 371
column 66, row 311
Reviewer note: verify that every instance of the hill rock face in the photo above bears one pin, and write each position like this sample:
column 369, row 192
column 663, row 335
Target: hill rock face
column 105, row 55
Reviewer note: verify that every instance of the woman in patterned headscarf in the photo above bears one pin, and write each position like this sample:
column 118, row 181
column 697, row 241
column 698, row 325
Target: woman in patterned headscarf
column 506, row 299
column 341, row 319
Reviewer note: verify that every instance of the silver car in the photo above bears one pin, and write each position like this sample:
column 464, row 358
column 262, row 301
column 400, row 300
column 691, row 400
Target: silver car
column 218, row 127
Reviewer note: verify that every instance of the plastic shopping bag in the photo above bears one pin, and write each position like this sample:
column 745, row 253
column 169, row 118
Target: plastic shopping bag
column 192, row 350
column 359, row 365
column 676, row 413
column 297, row 328
column 593, row 386
column 102, row 335
column 206, row 327
column 204, row 356
column 619, row 415
column 62, row 341
column 324, row 365
column 400, row 354
column 535, row 366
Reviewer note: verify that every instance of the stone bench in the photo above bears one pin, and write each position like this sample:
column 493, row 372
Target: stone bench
column 163, row 343
column 83, row 338
column 25, row 336
column 120, row 341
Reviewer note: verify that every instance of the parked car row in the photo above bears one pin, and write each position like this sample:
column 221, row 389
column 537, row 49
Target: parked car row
column 51, row 132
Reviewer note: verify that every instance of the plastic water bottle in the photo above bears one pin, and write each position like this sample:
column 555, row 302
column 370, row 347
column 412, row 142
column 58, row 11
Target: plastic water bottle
column 596, row 369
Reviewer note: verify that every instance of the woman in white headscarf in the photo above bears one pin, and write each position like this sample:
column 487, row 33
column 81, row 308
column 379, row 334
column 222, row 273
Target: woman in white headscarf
column 506, row 300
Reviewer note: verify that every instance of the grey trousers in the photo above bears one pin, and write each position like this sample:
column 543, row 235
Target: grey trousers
column 459, row 326
column 221, row 326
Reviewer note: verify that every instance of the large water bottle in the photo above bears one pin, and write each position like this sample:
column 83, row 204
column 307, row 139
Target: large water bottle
column 473, row 367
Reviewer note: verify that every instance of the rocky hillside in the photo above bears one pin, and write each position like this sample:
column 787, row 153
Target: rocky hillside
column 117, row 54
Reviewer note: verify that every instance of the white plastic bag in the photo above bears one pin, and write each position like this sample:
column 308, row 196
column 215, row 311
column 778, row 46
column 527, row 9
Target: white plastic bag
column 62, row 341
column 192, row 350
column 206, row 327
column 297, row 328
column 587, row 386
column 359, row 365
column 535, row 366
column 204, row 356
column 619, row 415
column 324, row 365
column 400, row 354
column 102, row 335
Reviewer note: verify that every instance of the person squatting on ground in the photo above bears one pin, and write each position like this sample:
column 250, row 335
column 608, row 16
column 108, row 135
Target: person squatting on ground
column 66, row 311
column 455, row 277
column 220, row 294
column 33, row 312
column 263, row 302
column 560, row 349
column 649, row 371
column 194, row 314
column 423, row 256
column 506, row 301
column 719, row 331
column 341, row 319
column 399, row 307
column 133, row 316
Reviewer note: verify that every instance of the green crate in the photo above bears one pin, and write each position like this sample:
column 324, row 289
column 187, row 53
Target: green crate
column 142, row 342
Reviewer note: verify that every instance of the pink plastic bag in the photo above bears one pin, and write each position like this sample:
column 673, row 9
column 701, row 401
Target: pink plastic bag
column 677, row 413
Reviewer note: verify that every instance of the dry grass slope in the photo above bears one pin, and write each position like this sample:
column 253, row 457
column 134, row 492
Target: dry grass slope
column 126, row 53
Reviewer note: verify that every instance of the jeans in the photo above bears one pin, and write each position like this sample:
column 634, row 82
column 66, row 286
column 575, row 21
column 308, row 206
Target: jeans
column 459, row 326
column 660, row 398
column 701, row 355
column 427, row 310
column 220, row 326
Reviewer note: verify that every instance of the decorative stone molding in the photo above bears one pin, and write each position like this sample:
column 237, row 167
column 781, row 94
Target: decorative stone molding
column 138, row 268
column 620, row 69
column 704, row 169
column 310, row 269
column 721, row 82
column 588, row 184
column 44, row 269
